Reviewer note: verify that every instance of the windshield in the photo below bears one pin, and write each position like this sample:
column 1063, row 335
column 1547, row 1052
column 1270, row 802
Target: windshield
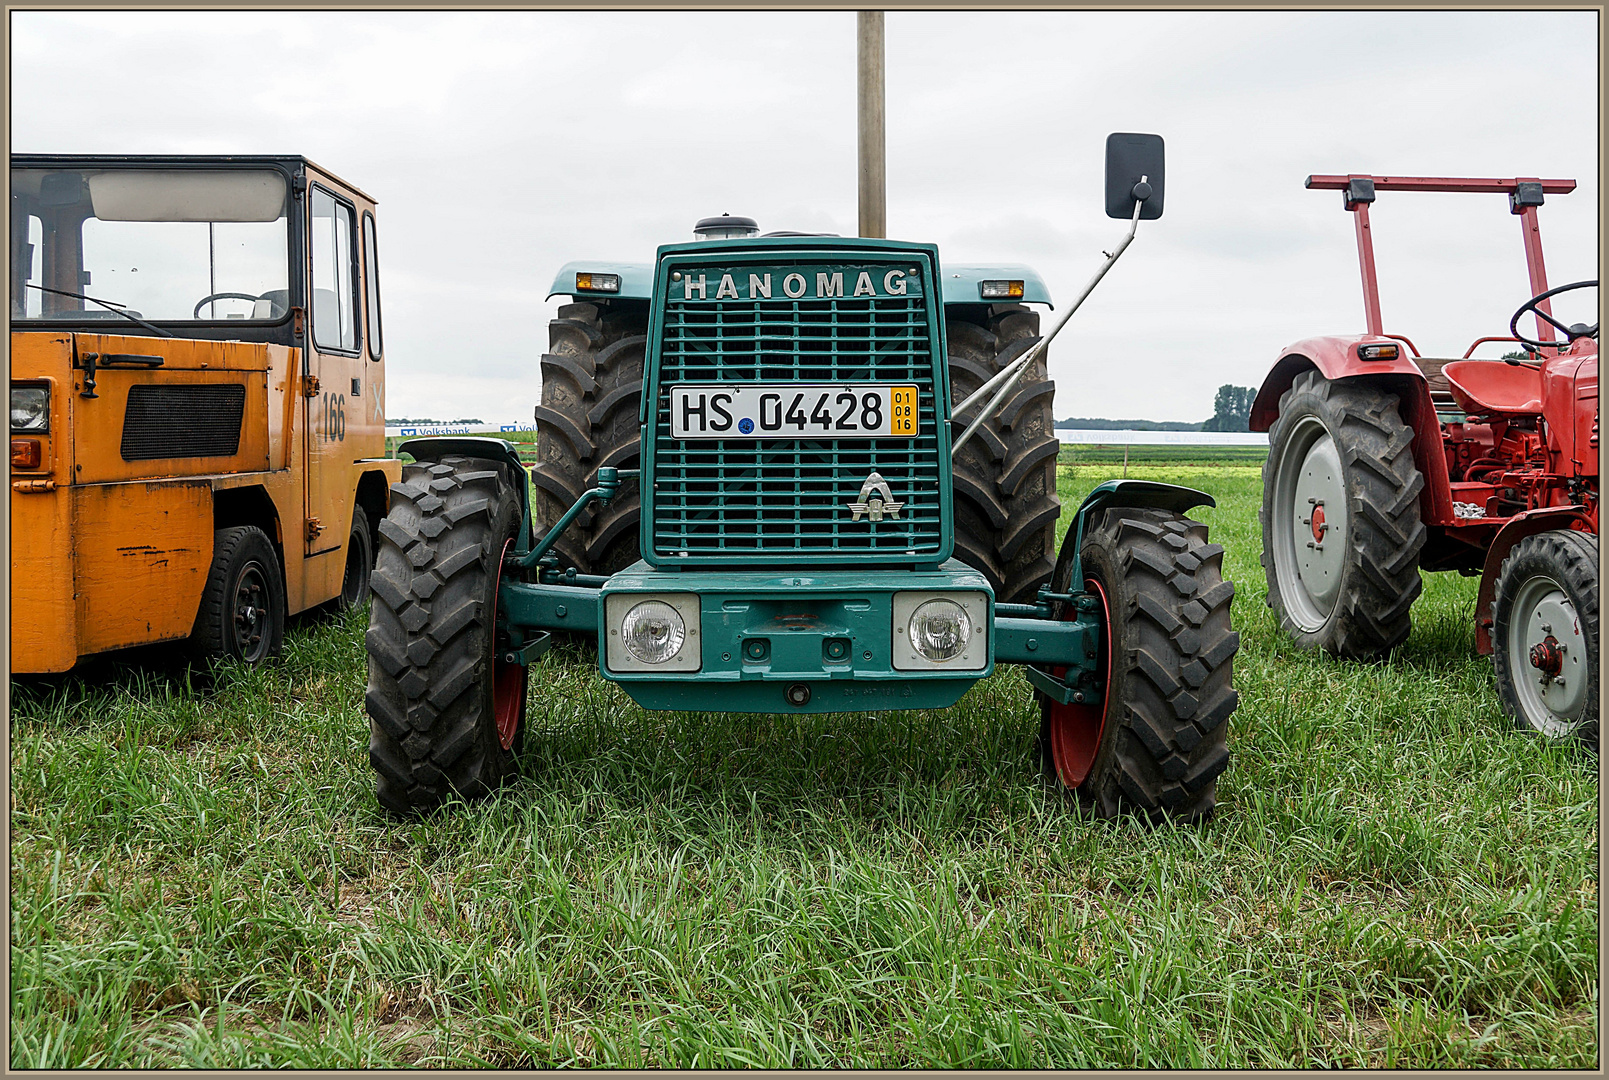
column 168, row 245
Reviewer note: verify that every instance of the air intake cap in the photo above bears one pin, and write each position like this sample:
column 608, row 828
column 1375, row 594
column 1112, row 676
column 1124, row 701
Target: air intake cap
column 725, row 227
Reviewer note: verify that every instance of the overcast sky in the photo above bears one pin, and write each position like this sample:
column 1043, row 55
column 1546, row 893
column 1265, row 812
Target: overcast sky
column 502, row 144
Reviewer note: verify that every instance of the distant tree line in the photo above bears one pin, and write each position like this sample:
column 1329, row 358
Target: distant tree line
column 439, row 423
column 1231, row 411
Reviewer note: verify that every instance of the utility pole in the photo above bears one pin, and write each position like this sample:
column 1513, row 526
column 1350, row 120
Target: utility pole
column 869, row 99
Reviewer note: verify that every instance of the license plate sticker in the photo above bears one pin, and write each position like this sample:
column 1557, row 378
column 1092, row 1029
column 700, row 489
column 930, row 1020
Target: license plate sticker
column 794, row 411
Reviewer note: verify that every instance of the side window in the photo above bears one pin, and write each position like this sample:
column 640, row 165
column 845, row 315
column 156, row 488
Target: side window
column 371, row 259
column 335, row 322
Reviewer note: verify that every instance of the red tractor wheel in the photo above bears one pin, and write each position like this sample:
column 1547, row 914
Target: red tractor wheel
column 1340, row 517
column 1156, row 743
column 1545, row 635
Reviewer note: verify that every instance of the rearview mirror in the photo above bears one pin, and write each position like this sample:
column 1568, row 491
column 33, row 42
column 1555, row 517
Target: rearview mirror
column 1129, row 157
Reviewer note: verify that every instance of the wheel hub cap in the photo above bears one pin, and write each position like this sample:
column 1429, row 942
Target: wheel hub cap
column 1547, row 654
column 1317, row 526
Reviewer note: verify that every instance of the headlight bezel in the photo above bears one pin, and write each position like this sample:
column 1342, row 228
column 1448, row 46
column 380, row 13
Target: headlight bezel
column 973, row 657
column 40, row 392
column 618, row 605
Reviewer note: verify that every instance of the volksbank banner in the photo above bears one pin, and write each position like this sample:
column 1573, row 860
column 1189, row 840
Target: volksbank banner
column 411, row 430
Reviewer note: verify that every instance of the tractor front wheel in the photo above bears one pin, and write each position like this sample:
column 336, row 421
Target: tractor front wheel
column 445, row 714
column 1157, row 742
column 1545, row 635
column 1340, row 517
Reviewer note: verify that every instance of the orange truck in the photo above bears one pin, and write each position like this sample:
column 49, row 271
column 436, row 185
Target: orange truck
column 197, row 390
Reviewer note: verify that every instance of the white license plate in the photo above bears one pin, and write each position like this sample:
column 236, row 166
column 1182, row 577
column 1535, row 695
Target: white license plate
column 793, row 411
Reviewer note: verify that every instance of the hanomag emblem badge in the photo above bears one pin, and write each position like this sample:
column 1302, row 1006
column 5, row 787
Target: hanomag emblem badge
column 875, row 500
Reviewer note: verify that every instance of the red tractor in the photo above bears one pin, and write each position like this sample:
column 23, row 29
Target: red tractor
column 1383, row 462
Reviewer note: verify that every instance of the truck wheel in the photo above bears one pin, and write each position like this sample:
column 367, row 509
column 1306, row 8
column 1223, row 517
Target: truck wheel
column 445, row 715
column 591, row 390
column 1545, row 634
column 1340, row 517
column 242, row 610
column 1005, row 477
column 359, row 562
column 1156, row 744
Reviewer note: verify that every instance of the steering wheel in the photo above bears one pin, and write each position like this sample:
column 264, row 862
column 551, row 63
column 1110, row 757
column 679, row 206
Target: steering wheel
column 210, row 297
column 1577, row 330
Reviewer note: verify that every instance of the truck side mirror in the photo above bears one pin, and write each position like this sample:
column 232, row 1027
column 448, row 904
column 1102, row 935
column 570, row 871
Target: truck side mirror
column 1130, row 156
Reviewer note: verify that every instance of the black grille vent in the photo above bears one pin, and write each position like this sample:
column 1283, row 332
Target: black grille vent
column 168, row 421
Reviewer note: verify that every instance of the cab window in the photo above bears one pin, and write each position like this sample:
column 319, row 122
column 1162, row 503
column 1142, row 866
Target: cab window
column 335, row 321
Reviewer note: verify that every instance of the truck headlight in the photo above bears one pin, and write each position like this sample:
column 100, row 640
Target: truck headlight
column 940, row 630
column 30, row 408
column 653, row 632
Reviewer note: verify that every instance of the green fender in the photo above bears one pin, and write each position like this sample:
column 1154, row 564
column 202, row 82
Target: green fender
column 1150, row 494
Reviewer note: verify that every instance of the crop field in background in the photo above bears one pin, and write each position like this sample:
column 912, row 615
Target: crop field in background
column 200, row 874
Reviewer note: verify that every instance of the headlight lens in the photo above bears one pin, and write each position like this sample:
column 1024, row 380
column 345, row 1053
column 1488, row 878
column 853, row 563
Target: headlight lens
column 30, row 408
column 653, row 632
column 940, row 630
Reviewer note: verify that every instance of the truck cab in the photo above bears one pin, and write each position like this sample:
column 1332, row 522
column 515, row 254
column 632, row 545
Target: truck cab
column 197, row 401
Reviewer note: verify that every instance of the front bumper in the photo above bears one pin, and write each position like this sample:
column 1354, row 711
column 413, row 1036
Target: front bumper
column 768, row 642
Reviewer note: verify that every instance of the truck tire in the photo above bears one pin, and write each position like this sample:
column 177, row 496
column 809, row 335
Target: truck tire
column 446, row 715
column 1157, row 742
column 1340, row 517
column 591, row 391
column 359, row 563
column 1545, row 635
column 242, row 609
column 1004, row 478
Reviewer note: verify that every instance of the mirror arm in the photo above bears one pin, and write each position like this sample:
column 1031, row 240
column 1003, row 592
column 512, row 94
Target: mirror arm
column 1012, row 374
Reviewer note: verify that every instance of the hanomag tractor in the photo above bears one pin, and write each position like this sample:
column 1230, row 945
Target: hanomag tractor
column 1382, row 463
column 751, row 492
column 197, row 402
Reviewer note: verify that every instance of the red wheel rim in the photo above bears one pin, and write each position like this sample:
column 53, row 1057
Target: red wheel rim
column 508, row 680
column 1075, row 730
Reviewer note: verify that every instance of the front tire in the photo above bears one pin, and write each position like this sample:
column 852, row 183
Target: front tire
column 1340, row 517
column 242, row 609
column 1545, row 635
column 445, row 715
column 1158, row 741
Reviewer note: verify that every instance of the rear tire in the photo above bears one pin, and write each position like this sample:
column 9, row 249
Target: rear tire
column 1158, row 741
column 242, row 609
column 591, row 391
column 1547, row 600
column 1344, row 582
column 437, row 691
column 359, row 563
column 1006, row 507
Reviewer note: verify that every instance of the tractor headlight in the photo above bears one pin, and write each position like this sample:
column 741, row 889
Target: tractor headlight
column 1000, row 290
column 940, row 630
column 653, row 632
column 30, row 408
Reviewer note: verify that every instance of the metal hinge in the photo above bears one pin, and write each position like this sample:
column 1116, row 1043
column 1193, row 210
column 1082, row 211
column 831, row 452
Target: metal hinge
column 314, row 527
column 310, row 386
column 33, row 487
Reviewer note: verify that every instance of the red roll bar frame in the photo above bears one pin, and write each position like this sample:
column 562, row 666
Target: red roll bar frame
column 1526, row 213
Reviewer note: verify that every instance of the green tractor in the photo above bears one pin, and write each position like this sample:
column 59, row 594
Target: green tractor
column 803, row 473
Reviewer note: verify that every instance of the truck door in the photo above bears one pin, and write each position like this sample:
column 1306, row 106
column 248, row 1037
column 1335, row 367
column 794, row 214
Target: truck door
column 334, row 360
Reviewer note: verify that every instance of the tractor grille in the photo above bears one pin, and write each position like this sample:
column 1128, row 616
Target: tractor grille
column 787, row 498
column 169, row 421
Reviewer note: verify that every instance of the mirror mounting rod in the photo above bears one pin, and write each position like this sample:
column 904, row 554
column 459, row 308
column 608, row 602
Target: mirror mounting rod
column 1012, row 373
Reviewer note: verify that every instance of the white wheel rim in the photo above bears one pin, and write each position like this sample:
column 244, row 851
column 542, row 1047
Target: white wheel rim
column 1309, row 520
column 1550, row 700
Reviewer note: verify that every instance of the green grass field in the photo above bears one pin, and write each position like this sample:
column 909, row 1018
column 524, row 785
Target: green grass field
column 200, row 874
